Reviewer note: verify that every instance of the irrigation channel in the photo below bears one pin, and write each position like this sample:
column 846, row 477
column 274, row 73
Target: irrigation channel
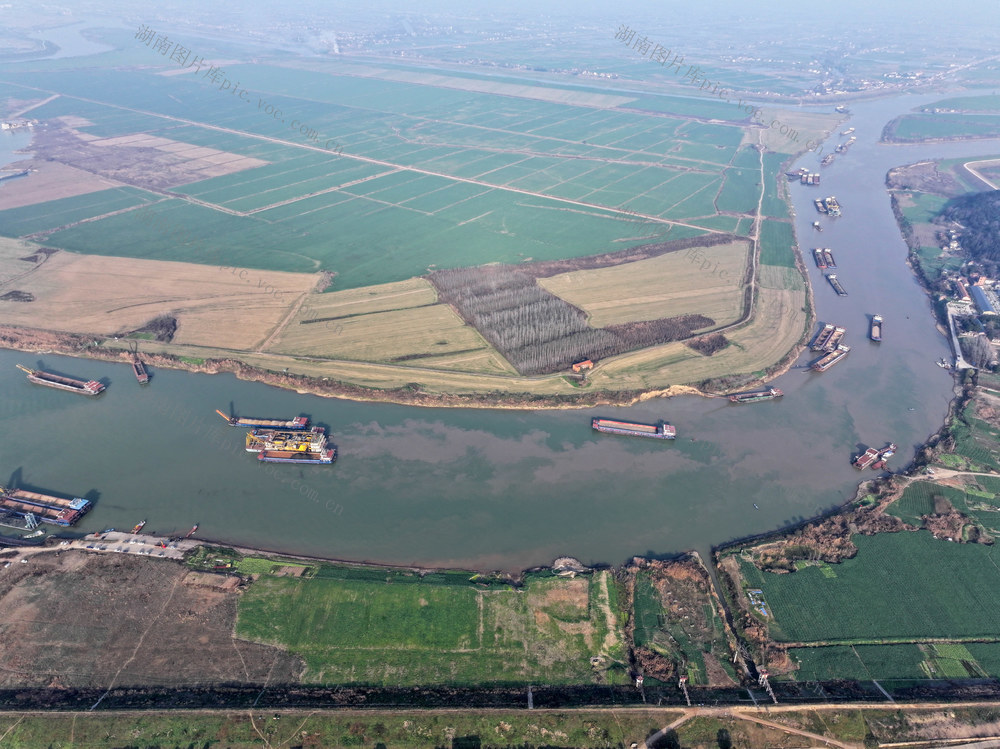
column 512, row 489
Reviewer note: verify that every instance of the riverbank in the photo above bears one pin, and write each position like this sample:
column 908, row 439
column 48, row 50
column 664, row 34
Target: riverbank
column 71, row 344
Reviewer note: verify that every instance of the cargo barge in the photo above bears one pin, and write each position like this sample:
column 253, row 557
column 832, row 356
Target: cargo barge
column 37, row 376
column 756, row 396
column 876, row 329
column 832, row 278
column 822, row 338
column 820, row 258
column 43, row 507
column 660, row 431
column 825, row 362
column 139, row 370
column 828, row 258
column 259, row 440
column 299, row 422
column 324, row 457
column 820, row 206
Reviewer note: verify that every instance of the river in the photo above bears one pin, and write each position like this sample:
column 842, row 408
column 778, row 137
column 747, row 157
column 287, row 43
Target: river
column 510, row 489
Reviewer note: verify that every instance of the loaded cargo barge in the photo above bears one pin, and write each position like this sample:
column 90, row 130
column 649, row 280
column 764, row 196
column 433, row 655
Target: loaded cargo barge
column 37, row 376
column 660, row 431
column 820, row 259
column 756, row 396
column 290, row 456
column 828, row 258
column 43, row 507
column 828, row 338
column 876, row 330
column 299, row 422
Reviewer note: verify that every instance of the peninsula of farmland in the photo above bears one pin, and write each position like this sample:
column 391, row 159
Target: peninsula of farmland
column 465, row 237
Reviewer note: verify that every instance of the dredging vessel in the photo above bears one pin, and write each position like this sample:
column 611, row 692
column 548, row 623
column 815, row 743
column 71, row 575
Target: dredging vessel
column 660, row 430
column 282, row 446
column 756, row 396
column 876, row 329
column 37, row 376
column 298, row 423
column 825, row 362
column 43, row 508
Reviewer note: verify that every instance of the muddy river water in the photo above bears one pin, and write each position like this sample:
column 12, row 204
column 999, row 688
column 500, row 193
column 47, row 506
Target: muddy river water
column 510, row 489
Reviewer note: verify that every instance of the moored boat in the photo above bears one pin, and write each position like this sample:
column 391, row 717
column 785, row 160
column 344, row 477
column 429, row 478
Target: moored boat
column 39, row 377
column 139, row 526
column 876, row 329
column 825, row 362
column 756, row 396
column 299, row 422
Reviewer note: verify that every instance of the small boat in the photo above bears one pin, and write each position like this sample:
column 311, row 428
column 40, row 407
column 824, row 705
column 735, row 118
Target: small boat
column 139, row 526
column 191, row 532
column 755, row 506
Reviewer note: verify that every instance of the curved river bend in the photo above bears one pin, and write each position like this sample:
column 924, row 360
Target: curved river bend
column 512, row 489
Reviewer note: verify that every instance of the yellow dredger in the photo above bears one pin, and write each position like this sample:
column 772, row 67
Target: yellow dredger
column 261, row 440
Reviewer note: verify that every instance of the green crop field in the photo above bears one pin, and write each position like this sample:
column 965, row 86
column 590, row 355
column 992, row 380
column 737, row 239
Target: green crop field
column 777, row 244
column 397, row 628
column 378, row 222
column 916, row 127
column 858, row 662
column 918, row 500
column 905, row 584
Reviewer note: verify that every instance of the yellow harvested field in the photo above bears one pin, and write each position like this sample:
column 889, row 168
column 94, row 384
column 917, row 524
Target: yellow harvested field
column 103, row 295
column 704, row 280
column 51, row 180
column 778, row 323
column 400, row 323
column 410, row 336
column 806, row 126
column 414, row 292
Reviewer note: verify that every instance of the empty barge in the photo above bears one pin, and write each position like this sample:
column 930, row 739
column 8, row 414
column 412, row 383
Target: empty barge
column 828, row 257
column 299, row 422
column 832, row 278
column 37, row 376
column 756, row 396
column 660, row 431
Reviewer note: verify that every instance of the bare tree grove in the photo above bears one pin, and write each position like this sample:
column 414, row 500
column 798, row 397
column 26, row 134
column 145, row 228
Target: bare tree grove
column 538, row 332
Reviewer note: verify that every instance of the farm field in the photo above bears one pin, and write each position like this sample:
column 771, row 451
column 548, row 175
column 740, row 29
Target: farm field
column 918, row 127
column 695, row 281
column 107, row 296
column 947, row 591
column 966, row 104
column 400, row 323
column 431, row 172
column 410, row 631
